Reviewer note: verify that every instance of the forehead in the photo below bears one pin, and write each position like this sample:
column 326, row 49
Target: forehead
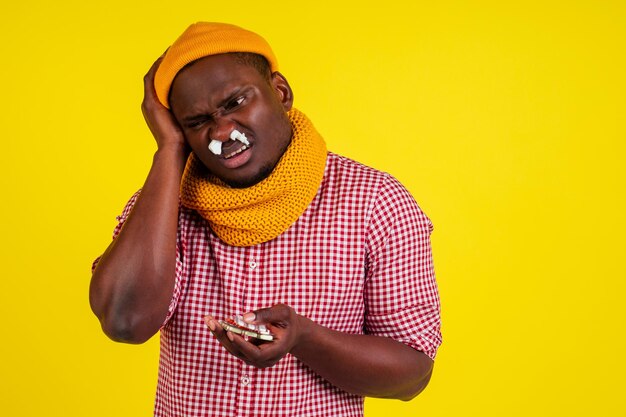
column 212, row 78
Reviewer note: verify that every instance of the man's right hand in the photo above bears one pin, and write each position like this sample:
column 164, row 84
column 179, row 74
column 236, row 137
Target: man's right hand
column 160, row 120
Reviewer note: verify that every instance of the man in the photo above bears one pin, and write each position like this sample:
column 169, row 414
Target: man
column 331, row 256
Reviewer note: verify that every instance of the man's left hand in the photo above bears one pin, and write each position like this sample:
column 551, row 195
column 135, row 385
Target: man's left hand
column 283, row 322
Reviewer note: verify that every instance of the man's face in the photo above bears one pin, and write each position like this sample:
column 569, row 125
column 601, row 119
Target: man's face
column 219, row 94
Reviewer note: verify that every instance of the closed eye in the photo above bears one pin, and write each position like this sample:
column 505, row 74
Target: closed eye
column 195, row 123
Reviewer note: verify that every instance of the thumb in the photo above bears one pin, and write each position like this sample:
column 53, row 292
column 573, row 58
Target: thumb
column 273, row 314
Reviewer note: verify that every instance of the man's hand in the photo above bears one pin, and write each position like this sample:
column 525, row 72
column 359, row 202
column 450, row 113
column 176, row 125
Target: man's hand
column 360, row 364
column 284, row 323
column 160, row 120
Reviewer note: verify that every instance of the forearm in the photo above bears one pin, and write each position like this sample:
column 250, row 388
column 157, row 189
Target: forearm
column 364, row 364
column 133, row 283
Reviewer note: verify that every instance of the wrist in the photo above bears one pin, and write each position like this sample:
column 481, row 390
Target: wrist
column 171, row 156
column 178, row 151
column 173, row 147
column 306, row 334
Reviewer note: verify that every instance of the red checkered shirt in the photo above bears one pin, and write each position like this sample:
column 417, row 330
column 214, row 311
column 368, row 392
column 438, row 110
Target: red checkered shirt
column 358, row 261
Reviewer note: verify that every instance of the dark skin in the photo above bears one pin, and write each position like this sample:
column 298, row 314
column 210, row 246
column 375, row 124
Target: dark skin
column 215, row 95
column 132, row 285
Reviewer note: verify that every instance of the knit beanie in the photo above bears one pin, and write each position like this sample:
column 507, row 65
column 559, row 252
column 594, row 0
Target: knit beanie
column 204, row 39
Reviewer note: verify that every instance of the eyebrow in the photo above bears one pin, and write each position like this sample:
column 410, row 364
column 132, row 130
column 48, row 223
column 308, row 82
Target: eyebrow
column 232, row 95
column 222, row 103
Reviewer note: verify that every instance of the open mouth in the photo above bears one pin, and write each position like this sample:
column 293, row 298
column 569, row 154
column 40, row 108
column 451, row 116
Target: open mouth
column 236, row 151
column 237, row 144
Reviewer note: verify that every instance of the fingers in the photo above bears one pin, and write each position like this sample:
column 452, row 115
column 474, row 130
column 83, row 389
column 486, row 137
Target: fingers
column 225, row 338
column 263, row 355
column 160, row 119
column 148, row 79
column 153, row 69
column 253, row 352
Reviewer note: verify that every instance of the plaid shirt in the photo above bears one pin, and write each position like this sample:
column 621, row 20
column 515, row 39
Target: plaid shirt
column 358, row 261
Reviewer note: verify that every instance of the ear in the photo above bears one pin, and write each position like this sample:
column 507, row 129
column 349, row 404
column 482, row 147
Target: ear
column 282, row 89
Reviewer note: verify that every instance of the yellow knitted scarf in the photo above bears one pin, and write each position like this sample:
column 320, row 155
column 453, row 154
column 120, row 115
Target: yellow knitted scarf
column 249, row 216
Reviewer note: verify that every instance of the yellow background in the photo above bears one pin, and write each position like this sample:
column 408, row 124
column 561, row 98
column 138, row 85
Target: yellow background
column 505, row 120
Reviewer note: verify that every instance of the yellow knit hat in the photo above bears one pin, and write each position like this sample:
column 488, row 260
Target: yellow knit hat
column 204, row 39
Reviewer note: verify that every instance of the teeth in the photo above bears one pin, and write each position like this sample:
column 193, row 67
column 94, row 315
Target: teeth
column 238, row 151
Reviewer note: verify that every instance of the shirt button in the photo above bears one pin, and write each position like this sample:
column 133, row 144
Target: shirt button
column 253, row 264
column 245, row 380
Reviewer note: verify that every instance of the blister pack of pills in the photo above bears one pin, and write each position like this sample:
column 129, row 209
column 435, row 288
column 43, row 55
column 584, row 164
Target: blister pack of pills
column 238, row 326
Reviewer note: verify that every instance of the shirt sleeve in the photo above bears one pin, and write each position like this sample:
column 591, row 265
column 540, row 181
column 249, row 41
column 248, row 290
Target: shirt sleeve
column 179, row 284
column 401, row 295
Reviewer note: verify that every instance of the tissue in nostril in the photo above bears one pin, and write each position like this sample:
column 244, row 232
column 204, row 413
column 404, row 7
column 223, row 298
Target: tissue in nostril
column 241, row 137
column 216, row 147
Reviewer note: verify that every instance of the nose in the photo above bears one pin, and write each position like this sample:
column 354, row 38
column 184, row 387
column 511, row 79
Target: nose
column 221, row 129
